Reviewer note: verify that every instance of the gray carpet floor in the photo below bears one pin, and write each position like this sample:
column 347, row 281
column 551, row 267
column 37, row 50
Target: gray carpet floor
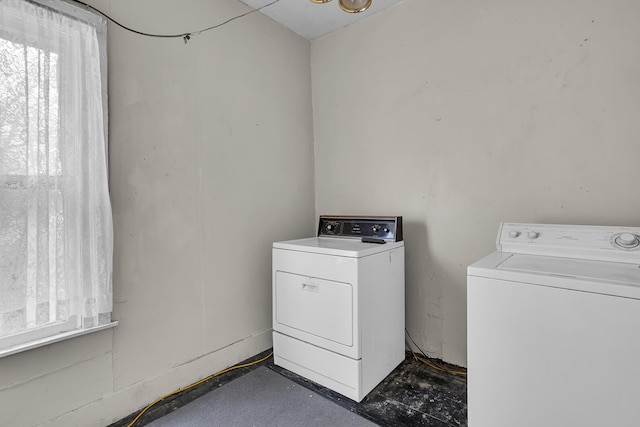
column 261, row 398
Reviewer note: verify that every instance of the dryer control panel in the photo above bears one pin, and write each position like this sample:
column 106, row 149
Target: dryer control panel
column 376, row 229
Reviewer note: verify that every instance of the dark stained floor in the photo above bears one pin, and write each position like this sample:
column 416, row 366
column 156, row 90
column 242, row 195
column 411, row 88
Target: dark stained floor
column 414, row 394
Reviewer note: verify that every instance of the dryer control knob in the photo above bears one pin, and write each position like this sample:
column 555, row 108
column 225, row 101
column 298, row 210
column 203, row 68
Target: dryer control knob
column 514, row 234
column 329, row 227
column 627, row 240
column 533, row 234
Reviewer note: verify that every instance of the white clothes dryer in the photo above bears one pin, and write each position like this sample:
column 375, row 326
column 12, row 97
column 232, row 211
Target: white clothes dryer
column 338, row 303
column 553, row 319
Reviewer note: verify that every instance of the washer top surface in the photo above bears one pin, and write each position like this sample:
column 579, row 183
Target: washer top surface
column 337, row 246
column 600, row 277
column 604, row 260
column 573, row 268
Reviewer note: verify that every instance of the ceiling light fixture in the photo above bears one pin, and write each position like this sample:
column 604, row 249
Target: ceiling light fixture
column 350, row 6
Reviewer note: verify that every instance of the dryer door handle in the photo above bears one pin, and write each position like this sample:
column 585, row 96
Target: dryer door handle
column 310, row 287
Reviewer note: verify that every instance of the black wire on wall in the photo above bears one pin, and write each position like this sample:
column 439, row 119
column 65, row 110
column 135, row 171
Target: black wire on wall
column 185, row 36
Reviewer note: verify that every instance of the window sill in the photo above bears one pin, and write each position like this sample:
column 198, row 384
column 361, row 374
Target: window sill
column 54, row 339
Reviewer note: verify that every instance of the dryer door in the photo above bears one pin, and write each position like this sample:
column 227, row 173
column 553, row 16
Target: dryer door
column 321, row 308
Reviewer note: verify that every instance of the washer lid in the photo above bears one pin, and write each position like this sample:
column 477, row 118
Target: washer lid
column 336, row 246
column 574, row 268
column 602, row 277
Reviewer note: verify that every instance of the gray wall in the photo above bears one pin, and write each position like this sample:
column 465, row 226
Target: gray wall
column 461, row 114
column 211, row 155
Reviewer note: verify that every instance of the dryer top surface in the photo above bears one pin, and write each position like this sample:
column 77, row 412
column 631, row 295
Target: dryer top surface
column 337, row 246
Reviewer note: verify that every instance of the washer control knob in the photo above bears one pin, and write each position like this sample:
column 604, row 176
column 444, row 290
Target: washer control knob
column 627, row 240
column 514, row 234
column 376, row 228
column 533, row 234
column 329, row 227
column 386, row 230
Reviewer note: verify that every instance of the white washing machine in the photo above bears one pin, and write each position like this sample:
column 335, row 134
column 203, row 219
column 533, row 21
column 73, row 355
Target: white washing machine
column 338, row 303
column 553, row 319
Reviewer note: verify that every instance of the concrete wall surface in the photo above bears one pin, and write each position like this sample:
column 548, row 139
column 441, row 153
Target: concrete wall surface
column 459, row 115
column 210, row 146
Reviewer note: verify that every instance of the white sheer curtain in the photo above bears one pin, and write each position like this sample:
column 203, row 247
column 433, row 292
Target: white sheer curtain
column 55, row 214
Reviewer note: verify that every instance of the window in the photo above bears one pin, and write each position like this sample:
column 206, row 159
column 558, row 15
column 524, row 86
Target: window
column 55, row 214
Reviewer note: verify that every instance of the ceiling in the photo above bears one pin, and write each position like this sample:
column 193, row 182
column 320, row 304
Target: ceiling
column 311, row 20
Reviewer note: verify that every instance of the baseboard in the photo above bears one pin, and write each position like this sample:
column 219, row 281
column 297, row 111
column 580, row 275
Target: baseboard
column 123, row 402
